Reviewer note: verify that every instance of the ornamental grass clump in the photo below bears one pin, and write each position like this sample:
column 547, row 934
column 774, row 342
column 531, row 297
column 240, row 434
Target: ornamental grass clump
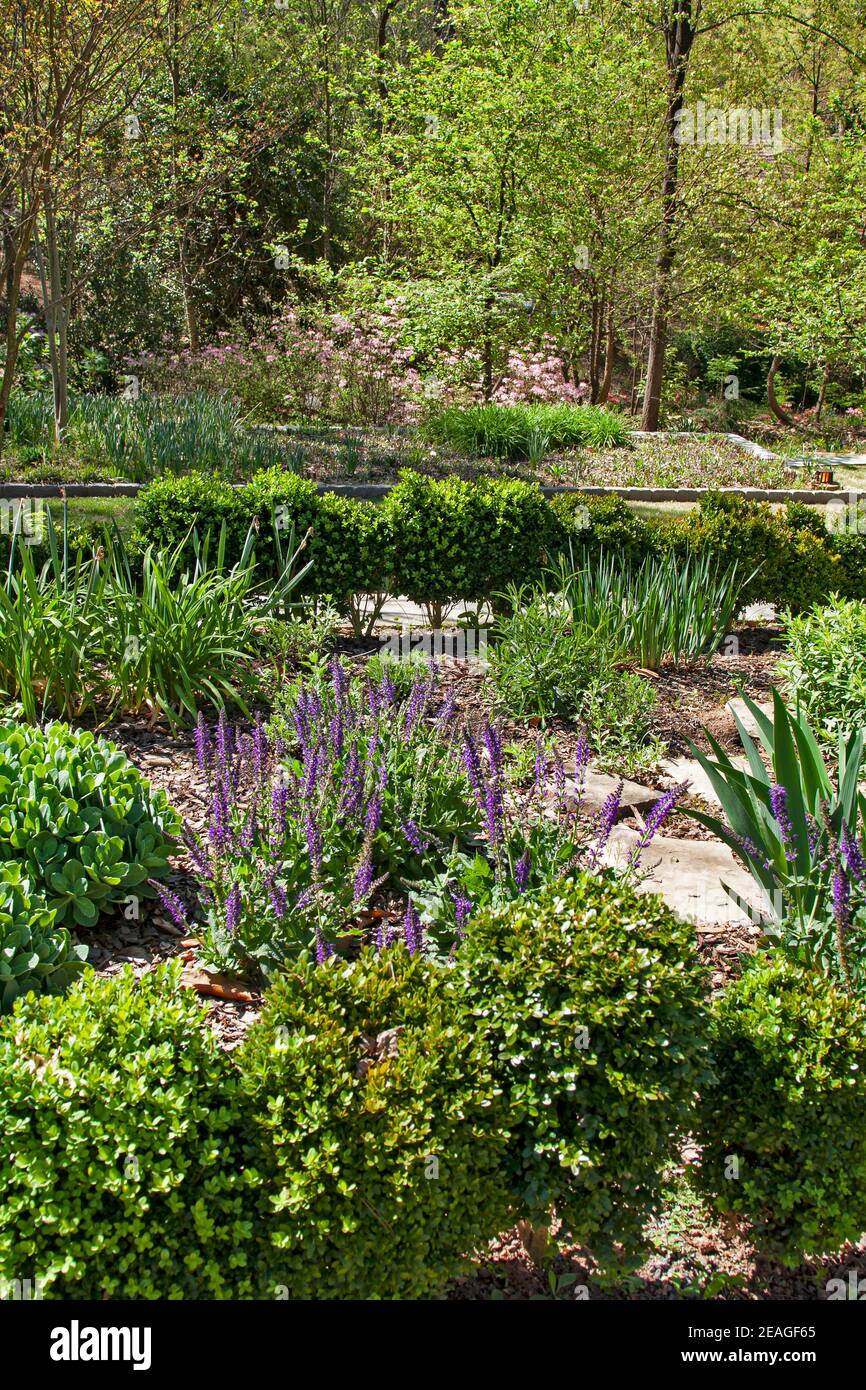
column 782, row 1121
column 591, row 1000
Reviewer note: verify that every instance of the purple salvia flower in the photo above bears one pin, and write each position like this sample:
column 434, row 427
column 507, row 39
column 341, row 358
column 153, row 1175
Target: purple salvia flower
column 223, row 743
column 304, row 898
column 373, row 818
column 387, row 690
column 841, row 898
column 218, row 829
column 493, row 743
column 324, row 949
column 260, row 750
column 202, row 745
column 279, row 808
column 462, row 909
column 172, row 904
column 249, row 830
column 779, row 807
column 853, row 855
column 196, row 852
column 308, row 786
column 472, row 764
column 352, row 785
column 448, row 708
column 363, row 877
column 521, row 871
column 336, row 734
column 656, row 817
column 314, row 841
column 413, row 835
column 233, row 909
column 339, row 678
column 277, row 895
column 412, row 931
column 605, row 823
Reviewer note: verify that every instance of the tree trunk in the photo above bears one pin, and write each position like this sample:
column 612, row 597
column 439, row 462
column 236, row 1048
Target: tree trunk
column 679, row 37
column 609, row 349
column 13, row 339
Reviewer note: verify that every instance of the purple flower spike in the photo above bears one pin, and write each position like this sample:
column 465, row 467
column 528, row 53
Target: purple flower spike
column 656, row 817
column 853, row 855
column 841, row 898
column 233, row 909
column 324, row 949
column 314, row 841
column 521, row 871
column 462, row 909
column 413, row 835
column 472, row 764
column 202, row 745
column 779, row 807
column 605, row 823
column 412, row 930
column 172, row 904
column 277, row 895
column 363, row 878
column 373, row 817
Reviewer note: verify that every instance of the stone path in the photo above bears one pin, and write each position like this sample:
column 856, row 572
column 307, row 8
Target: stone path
column 688, row 874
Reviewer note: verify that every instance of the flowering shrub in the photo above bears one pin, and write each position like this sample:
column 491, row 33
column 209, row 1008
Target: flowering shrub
column 351, row 785
column 353, row 369
column 783, row 1121
column 590, row 998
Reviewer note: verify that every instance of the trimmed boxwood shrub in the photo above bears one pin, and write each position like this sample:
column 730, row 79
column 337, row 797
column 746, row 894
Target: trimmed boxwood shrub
column 442, row 540
column 167, row 510
column 467, row 540
column 378, row 1142
column 592, row 522
column 794, row 563
column 122, row 1168
column 590, row 998
column 786, row 1110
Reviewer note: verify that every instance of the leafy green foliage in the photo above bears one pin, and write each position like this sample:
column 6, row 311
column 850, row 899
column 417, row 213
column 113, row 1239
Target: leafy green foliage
column 118, row 1126
column 80, row 819
column 823, row 666
column 590, row 998
column 545, row 661
column 458, row 540
column 787, row 1102
column 524, row 431
column 35, row 954
column 378, row 1138
column 800, row 836
column 603, row 523
column 665, row 608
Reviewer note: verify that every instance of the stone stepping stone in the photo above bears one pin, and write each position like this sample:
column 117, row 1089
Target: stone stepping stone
column 598, row 787
column 688, row 874
column 690, row 770
column 746, row 718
